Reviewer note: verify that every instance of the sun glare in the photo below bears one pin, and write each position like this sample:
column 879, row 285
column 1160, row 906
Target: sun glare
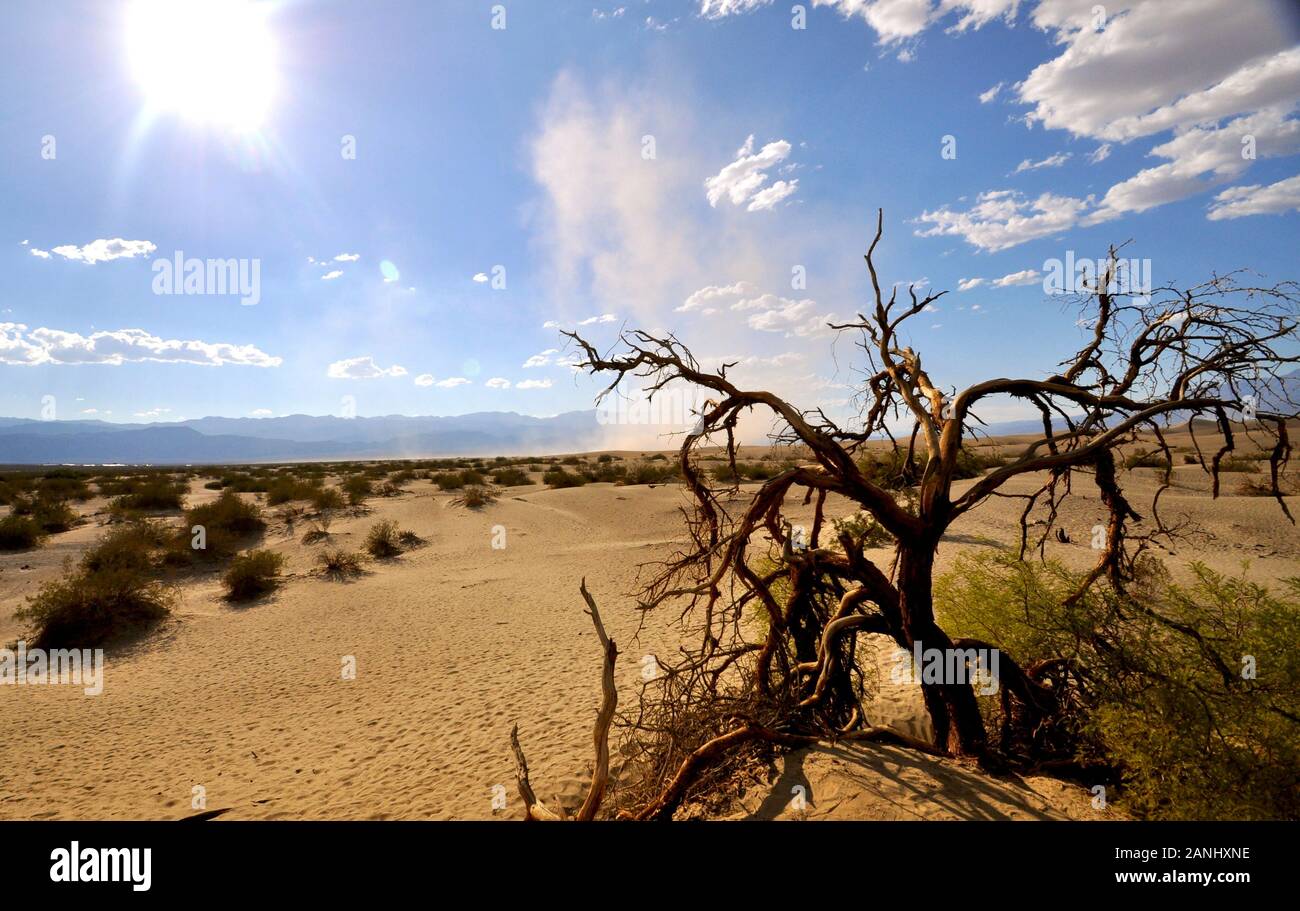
column 210, row 61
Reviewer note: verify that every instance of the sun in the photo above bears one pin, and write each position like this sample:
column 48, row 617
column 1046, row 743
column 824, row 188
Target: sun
column 209, row 61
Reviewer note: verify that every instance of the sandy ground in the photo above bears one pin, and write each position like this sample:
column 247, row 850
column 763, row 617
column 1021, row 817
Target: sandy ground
column 452, row 643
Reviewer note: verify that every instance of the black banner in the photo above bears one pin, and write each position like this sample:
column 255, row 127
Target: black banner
column 206, row 859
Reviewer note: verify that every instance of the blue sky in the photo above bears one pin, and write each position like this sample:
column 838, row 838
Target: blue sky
column 617, row 160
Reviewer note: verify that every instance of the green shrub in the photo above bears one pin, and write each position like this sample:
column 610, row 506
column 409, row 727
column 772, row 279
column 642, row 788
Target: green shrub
column 252, row 574
column 225, row 521
column 1154, row 459
column 511, row 477
column 54, row 516
column 357, row 487
column 1194, row 735
column 558, row 478
column 130, row 547
column 286, row 490
column 326, row 498
column 151, row 495
column 89, row 609
column 19, row 533
column 645, row 473
column 448, row 480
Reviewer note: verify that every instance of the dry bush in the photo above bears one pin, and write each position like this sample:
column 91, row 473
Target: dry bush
column 383, row 540
column 339, row 564
column 252, row 575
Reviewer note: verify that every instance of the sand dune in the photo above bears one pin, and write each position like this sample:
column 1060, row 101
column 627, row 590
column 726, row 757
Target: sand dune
column 454, row 642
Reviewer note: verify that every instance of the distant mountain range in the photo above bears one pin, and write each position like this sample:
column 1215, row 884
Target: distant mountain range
column 297, row 437
column 302, row 437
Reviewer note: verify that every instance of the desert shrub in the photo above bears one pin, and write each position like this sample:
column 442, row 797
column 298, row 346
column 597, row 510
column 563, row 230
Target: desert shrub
column 225, row 521
column 285, row 490
column 1155, row 459
column 1193, row 728
column 476, row 497
column 151, row 495
column 19, row 533
column 327, row 498
column 570, row 460
column 318, row 531
column 606, row 457
column 890, row 469
column 971, row 463
column 129, row 547
column 213, row 485
column 382, row 540
column 558, row 478
column 52, row 516
column 1236, row 463
column 409, row 540
column 645, row 473
column 61, row 485
column 252, row 574
column 1259, row 486
column 86, row 609
column 606, row 472
column 511, row 477
column 448, row 480
column 339, row 564
column 357, row 487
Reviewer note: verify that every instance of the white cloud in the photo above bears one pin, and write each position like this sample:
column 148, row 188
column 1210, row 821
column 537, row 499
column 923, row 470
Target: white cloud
column 768, row 197
column 260, row 413
column 1158, row 66
column 714, row 293
column 533, row 384
column 766, row 302
column 100, row 251
column 480, row 277
column 347, row 257
column 41, row 253
column 541, row 360
column 967, row 284
column 1274, row 199
column 1200, row 158
column 452, row 382
column 1099, row 154
column 1004, row 218
column 719, row 9
column 498, row 382
column 603, row 318
column 330, row 276
column 989, row 94
column 153, row 413
column 361, row 368
column 1051, row 161
column 743, row 180
column 788, row 316
column 424, row 379
column 19, row 345
column 1025, row 277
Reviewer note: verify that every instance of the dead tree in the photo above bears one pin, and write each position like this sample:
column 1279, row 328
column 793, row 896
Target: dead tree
column 1216, row 351
column 534, row 809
